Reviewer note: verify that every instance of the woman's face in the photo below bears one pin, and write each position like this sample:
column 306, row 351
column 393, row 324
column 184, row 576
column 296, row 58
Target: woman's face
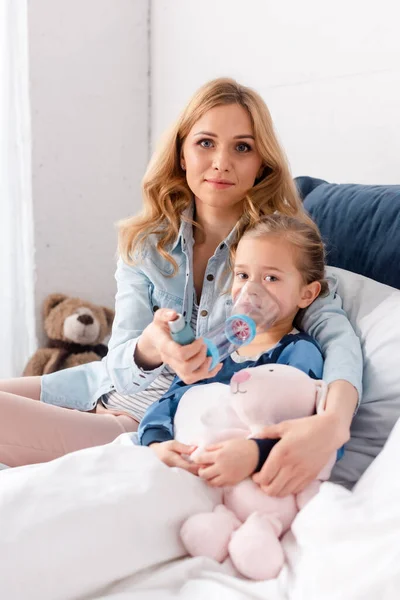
column 220, row 158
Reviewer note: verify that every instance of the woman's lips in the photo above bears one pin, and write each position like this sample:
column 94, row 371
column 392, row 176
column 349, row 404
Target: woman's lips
column 220, row 184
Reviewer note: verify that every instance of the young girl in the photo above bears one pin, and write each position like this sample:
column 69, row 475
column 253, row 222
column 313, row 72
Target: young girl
column 219, row 170
column 287, row 257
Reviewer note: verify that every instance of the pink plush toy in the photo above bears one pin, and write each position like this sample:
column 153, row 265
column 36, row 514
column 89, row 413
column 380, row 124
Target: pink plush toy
column 248, row 524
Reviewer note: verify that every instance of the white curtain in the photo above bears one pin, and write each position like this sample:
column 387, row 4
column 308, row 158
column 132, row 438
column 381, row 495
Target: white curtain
column 17, row 319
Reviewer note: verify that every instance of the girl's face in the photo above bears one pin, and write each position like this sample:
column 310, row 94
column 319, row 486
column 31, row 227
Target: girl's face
column 220, row 157
column 270, row 262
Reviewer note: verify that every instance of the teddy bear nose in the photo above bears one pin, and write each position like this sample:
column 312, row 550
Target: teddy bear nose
column 241, row 377
column 85, row 319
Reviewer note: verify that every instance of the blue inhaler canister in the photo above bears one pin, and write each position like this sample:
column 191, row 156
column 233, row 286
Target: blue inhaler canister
column 181, row 332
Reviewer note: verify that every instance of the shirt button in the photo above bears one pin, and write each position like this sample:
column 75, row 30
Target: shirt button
column 155, row 308
column 210, row 277
column 204, row 313
column 222, row 246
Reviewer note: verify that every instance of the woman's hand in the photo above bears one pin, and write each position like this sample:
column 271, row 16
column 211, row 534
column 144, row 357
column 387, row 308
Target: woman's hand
column 156, row 346
column 305, row 447
column 229, row 462
column 172, row 454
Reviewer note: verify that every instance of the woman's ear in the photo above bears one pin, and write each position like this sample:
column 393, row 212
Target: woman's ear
column 182, row 160
column 309, row 293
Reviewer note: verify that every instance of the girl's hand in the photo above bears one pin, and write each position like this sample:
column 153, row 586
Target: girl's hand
column 229, row 462
column 305, row 447
column 156, row 346
column 170, row 453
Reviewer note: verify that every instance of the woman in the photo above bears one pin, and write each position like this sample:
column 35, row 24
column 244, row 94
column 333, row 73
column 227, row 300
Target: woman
column 219, row 169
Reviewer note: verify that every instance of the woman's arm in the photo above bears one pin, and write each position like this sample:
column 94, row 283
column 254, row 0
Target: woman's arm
column 141, row 343
column 326, row 321
column 133, row 314
column 341, row 404
column 307, row 444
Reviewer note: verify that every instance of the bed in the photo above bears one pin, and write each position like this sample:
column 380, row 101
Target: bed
column 112, row 532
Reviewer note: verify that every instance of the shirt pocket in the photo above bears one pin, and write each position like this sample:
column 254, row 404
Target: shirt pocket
column 163, row 265
column 162, row 299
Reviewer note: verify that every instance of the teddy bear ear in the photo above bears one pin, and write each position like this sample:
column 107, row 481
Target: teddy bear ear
column 51, row 301
column 109, row 315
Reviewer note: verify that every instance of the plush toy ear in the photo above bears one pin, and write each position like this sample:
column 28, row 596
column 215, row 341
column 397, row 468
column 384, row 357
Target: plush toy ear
column 109, row 315
column 51, row 301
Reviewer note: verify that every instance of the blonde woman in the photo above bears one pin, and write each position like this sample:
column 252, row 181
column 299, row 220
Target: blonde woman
column 218, row 170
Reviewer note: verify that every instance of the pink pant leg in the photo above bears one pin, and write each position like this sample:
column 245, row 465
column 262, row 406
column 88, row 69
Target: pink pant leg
column 28, row 387
column 32, row 432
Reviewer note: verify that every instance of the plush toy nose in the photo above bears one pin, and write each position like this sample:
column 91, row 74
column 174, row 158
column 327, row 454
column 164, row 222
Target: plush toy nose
column 241, row 377
column 85, row 319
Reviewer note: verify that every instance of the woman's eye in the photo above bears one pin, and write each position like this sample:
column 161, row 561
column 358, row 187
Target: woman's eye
column 271, row 278
column 205, row 143
column 241, row 275
column 243, row 148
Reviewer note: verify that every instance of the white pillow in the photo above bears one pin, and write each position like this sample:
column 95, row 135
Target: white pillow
column 374, row 311
column 348, row 542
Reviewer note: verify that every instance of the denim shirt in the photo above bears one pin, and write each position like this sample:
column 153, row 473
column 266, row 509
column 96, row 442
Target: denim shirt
column 147, row 286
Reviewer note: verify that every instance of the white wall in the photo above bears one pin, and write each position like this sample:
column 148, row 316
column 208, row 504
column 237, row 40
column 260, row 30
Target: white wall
column 89, row 99
column 329, row 72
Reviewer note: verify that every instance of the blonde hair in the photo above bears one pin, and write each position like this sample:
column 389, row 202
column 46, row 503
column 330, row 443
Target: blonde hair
column 305, row 239
column 166, row 193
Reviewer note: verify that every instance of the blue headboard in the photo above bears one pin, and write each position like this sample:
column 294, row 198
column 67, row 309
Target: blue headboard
column 360, row 225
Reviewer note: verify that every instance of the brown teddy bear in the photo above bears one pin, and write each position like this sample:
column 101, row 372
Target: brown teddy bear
column 75, row 329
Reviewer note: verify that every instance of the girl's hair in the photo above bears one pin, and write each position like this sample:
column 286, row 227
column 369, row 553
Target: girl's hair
column 306, row 240
column 166, row 193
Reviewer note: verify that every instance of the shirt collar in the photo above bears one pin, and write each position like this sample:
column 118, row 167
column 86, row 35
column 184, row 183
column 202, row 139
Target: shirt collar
column 230, row 238
column 185, row 232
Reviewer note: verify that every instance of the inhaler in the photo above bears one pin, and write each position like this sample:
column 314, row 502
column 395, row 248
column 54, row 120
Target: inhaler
column 254, row 310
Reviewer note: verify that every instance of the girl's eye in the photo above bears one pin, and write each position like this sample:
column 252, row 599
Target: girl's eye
column 243, row 148
column 241, row 275
column 205, row 143
column 271, row 278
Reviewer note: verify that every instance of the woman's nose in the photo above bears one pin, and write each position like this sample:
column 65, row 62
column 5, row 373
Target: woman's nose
column 222, row 161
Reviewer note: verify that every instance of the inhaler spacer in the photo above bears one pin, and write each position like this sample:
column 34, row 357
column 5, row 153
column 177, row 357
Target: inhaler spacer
column 254, row 310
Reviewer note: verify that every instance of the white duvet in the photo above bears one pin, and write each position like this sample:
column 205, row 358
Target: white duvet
column 103, row 523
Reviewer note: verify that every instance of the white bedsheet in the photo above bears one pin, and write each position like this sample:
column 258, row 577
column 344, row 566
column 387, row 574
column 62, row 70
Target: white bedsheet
column 102, row 523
